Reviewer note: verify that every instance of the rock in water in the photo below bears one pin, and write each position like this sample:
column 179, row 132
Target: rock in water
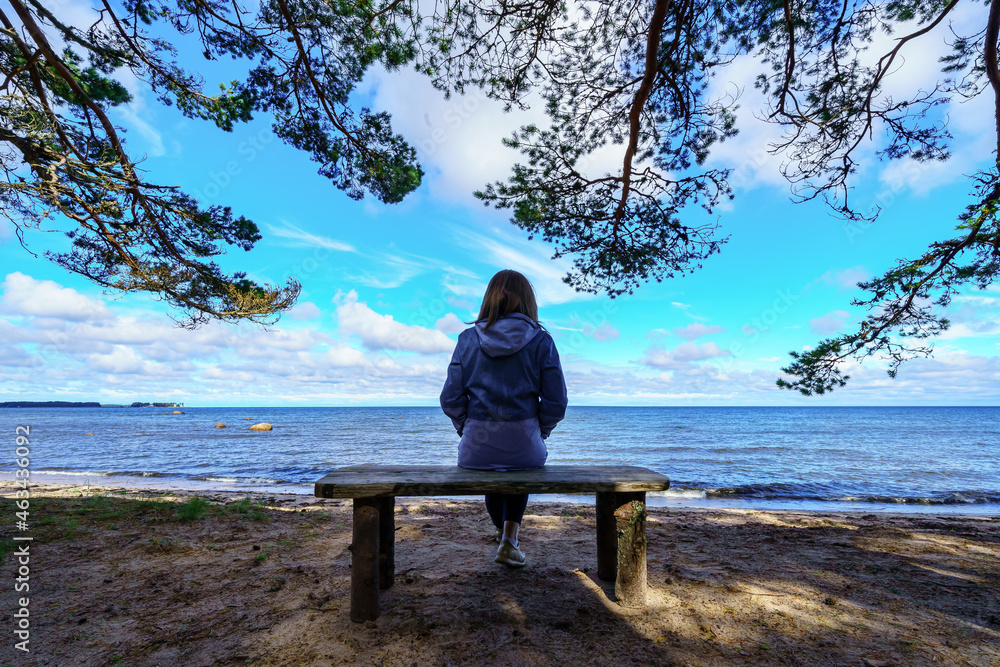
column 248, row 419
column 263, row 426
column 220, row 425
column 176, row 412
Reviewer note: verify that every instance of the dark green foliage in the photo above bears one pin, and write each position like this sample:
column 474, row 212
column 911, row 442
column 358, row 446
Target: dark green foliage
column 69, row 163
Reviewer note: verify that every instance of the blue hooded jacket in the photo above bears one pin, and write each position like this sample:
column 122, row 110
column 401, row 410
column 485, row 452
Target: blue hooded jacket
column 505, row 393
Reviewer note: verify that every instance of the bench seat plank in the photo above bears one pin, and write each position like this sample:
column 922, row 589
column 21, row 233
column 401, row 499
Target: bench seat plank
column 363, row 481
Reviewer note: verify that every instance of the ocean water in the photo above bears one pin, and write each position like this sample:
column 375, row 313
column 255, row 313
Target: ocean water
column 937, row 459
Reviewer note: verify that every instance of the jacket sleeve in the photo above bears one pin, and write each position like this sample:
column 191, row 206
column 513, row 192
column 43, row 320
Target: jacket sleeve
column 454, row 400
column 552, row 398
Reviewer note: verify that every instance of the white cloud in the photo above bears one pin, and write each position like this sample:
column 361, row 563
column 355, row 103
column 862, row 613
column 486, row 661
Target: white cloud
column 696, row 352
column 228, row 374
column 124, row 358
column 450, row 324
column 682, row 355
column 121, row 361
column 15, row 355
column 24, row 295
column 829, row 323
column 345, row 356
column 604, row 332
column 696, row 330
column 304, row 310
column 382, row 332
column 747, row 154
column 844, row 279
column 458, row 141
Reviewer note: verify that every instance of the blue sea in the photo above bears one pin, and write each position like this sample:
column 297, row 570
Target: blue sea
column 938, row 459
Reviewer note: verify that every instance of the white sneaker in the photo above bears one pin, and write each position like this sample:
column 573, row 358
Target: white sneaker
column 508, row 554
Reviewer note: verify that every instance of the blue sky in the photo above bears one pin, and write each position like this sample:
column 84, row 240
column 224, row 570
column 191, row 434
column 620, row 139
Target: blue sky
column 386, row 289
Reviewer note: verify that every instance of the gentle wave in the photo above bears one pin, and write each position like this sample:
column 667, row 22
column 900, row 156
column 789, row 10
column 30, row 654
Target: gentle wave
column 817, row 492
column 239, row 480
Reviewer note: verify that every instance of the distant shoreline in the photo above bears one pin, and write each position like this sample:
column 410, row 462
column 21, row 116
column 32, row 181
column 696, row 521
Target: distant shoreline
column 84, row 404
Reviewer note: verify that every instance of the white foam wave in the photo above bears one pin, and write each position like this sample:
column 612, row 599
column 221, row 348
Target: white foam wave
column 242, row 480
column 74, row 473
column 679, row 493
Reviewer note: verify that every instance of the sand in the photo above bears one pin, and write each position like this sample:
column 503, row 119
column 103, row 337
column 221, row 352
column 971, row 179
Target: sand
column 119, row 578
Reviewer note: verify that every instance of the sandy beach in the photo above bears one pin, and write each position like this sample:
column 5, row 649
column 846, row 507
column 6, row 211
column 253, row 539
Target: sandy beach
column 127, row 576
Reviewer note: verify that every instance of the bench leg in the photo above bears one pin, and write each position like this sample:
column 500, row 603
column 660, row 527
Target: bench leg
column 386, row 542
column 365, row 560
column 621, row 545
column 630, row 519
column 607, row 536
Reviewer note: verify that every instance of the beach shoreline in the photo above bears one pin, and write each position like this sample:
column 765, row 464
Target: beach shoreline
column 264, row 579
column 188, row 487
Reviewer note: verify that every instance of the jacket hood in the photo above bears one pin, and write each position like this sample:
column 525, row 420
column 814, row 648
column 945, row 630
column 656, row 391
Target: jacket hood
column 507, row 335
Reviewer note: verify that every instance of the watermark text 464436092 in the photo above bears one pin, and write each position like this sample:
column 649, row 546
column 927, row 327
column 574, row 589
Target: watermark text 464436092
column 22, row 553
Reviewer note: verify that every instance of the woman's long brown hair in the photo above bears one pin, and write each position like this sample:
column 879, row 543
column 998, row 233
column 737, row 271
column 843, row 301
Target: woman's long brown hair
column 508, row 292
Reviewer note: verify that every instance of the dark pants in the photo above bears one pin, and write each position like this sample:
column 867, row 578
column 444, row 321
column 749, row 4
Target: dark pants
column 506, row 507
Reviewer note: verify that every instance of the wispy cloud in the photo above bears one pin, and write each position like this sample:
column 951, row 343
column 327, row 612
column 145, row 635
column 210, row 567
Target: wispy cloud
column 686, row 309
column 301, row 238
column 506, row 251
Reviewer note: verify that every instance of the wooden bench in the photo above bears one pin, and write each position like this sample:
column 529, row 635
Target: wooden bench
column 621, row 516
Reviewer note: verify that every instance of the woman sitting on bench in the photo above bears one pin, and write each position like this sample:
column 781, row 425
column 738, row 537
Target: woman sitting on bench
column 505, row 393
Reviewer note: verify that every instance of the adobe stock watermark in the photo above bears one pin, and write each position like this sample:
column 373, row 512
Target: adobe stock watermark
column 22, row 555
